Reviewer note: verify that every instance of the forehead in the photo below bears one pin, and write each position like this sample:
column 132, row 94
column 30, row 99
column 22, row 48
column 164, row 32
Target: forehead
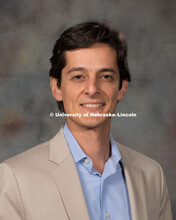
column 99, row 53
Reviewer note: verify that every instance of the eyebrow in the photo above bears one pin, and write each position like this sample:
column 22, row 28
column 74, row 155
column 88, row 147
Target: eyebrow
column 107, row 70
column 74, row 69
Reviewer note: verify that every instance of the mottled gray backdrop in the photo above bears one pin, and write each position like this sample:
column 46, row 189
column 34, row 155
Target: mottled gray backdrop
column 29, row 29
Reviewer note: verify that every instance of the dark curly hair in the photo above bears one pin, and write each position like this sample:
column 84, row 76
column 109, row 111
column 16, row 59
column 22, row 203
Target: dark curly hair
column 85, row 35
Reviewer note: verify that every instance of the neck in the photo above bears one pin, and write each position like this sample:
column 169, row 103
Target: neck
column 94, row 142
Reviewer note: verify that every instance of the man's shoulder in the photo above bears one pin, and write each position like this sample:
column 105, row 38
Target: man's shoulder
column 44, row 157
column 32, row 157
column 137, row 160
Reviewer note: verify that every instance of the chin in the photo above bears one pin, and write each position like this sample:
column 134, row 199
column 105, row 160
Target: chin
column 92, row 123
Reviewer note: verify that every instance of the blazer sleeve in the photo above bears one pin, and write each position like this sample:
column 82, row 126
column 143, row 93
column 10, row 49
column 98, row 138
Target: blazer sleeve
column 165, row 206
column 11, row 206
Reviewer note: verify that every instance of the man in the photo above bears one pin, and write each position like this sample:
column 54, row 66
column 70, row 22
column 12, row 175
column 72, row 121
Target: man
column 82, row 173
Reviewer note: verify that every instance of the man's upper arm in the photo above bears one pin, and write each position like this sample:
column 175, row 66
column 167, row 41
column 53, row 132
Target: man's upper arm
column 165, row 206
column 10, row 199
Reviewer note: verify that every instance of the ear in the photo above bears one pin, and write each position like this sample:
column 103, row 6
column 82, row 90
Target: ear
column 122, row 91
column 55, row 90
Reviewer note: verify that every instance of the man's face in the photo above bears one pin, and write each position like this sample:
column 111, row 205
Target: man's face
column 90, row 84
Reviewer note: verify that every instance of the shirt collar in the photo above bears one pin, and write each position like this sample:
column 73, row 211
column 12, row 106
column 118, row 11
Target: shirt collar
column 115, row 154
column 77, row 152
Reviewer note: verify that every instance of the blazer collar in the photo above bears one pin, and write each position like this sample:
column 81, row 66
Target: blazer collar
column 67, row 179
column 135, row 184
column 58, row 149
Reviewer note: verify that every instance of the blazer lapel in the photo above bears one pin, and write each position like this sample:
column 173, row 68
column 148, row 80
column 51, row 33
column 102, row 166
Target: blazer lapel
column 135, row 185
column 67, row 179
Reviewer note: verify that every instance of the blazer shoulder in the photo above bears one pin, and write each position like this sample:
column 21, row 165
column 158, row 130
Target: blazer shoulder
column 34, row 157
column 138, row 160
column 45, row 156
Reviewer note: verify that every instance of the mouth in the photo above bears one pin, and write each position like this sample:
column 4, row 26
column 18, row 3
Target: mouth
column 93, row 106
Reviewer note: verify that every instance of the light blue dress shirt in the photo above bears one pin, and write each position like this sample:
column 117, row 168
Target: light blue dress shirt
column 106, row 194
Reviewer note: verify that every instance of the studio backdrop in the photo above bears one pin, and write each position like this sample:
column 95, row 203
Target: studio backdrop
column 28, row 32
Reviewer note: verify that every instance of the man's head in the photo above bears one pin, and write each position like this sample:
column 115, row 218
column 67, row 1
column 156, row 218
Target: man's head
column 85, row 35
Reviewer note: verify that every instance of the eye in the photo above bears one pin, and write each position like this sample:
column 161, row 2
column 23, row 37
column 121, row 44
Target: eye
column 107, row 77
column 77, row 77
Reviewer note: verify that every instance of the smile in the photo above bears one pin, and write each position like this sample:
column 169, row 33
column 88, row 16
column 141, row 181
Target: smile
column 92, row 105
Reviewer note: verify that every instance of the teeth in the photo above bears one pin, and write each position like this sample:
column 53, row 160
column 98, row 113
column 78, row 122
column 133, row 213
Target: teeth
column 92, row 105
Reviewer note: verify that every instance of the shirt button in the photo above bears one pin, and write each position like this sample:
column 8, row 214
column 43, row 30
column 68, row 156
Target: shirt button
column 107, row 214
column 86, row 161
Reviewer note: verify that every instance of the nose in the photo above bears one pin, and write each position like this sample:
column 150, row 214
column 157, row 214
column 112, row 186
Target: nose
column 92, row 87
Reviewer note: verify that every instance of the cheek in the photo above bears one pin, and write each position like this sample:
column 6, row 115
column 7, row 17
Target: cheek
column 69, row 95
column 112, row 93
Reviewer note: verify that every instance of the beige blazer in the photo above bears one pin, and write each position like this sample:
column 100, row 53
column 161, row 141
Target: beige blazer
column 43, row 184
